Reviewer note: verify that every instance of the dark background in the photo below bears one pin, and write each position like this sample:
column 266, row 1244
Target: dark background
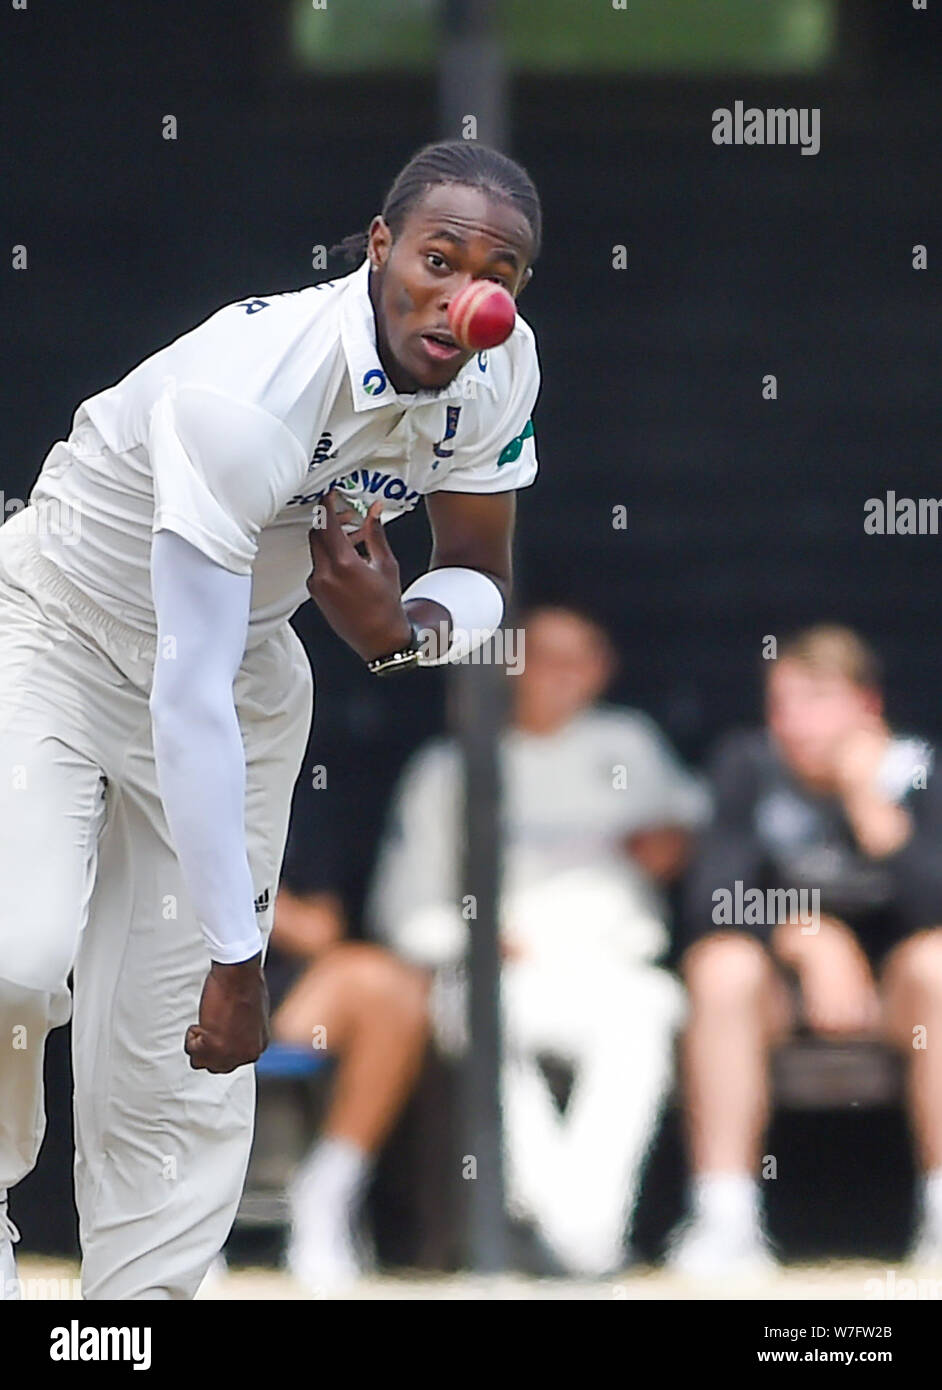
column 745, row 516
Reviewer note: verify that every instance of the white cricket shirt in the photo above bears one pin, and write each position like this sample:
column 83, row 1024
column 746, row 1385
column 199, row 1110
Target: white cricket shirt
column 232, row 434
column 571, row 798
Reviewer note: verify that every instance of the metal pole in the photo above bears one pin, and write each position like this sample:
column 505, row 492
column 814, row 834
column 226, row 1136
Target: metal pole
column 472, row 83
column 472, row 78
column 479, row 692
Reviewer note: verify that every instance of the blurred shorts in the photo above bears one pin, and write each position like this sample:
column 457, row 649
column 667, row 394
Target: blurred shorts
column 877, row 932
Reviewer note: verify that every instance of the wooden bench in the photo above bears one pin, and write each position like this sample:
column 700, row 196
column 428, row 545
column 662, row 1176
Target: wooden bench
column 813, row 1073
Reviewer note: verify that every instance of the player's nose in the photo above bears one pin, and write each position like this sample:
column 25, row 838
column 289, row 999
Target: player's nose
column 451, row 290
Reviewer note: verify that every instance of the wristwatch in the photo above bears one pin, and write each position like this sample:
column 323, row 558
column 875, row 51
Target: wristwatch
column 403, row 660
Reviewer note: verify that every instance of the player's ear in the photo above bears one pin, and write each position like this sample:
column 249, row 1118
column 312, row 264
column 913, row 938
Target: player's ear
column 524, row 281
column 379, row 241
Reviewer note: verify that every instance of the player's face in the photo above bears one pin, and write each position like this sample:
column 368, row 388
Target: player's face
column 566, row 668
column 454, row 235
column 810, row 713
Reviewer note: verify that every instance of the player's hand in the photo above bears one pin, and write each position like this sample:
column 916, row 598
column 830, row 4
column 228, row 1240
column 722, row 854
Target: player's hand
column 360, row 597
column 233, row 1026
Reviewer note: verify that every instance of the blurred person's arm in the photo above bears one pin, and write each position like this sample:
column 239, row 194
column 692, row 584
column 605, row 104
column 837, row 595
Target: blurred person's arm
column 903, row 833
column 666, row 802
column 880, row 825
column 307, row 924
column 662, row 853
column 837, row 985
column 412, row 901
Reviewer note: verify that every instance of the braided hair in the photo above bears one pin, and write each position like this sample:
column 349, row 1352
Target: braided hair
column 452, row 161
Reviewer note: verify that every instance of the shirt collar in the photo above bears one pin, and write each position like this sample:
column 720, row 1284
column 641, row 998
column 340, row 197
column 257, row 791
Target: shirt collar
column 369, row 384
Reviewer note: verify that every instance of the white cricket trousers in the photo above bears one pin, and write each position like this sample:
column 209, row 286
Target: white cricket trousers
column 89, row 881
column 577, row 1176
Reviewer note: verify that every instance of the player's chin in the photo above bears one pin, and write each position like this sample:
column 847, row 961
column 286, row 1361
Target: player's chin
column 430, row 367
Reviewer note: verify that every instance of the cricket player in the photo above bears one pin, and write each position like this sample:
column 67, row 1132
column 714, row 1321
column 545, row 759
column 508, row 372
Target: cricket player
column 155, row 702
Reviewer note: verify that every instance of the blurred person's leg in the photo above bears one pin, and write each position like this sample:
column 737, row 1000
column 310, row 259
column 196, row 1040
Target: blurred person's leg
column 575, row 1176
column 739, row 1007
column 623, row 1057
column 369, row 1010
column 912, row 998
column 532, row 1134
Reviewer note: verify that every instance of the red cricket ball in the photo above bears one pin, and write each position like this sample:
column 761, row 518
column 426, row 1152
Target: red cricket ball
column 482, row 315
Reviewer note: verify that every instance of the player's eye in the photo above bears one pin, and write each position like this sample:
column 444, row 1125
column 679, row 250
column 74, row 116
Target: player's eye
column 436, row 260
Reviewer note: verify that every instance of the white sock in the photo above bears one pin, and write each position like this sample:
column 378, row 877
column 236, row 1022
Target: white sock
column 932, row 1198
column 335, row 1169
column 729, row 1199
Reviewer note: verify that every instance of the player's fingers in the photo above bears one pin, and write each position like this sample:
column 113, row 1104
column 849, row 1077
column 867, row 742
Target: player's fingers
column 317, row 536
column 207, row 1055
column 194, row 1045
column 358, row 536
column 374, row 536
column 330, row 541
column 220, row 1066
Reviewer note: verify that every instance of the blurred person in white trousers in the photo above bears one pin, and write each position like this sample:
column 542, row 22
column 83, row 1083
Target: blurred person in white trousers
column 597, row 818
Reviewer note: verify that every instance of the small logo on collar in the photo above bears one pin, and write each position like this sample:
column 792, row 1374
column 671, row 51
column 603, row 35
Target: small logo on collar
column 374, row 382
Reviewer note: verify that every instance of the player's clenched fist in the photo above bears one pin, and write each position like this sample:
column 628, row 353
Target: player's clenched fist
column 233, row 1026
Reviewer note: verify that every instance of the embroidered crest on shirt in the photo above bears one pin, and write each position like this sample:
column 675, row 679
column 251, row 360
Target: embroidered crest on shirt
column 451, row 428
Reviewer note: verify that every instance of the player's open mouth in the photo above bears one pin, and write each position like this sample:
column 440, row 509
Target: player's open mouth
column 441, row 346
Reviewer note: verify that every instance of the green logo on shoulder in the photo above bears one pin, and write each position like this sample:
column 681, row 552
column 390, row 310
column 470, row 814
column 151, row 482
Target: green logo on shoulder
column 511, row 451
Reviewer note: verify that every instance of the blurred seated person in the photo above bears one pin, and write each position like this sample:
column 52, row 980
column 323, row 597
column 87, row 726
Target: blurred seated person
column 367, row 1010
column 827, row 797
column 597, row 817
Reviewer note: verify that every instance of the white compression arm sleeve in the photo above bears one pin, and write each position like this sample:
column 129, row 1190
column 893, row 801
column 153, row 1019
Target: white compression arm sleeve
column 202, row 621
column 475, row 603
